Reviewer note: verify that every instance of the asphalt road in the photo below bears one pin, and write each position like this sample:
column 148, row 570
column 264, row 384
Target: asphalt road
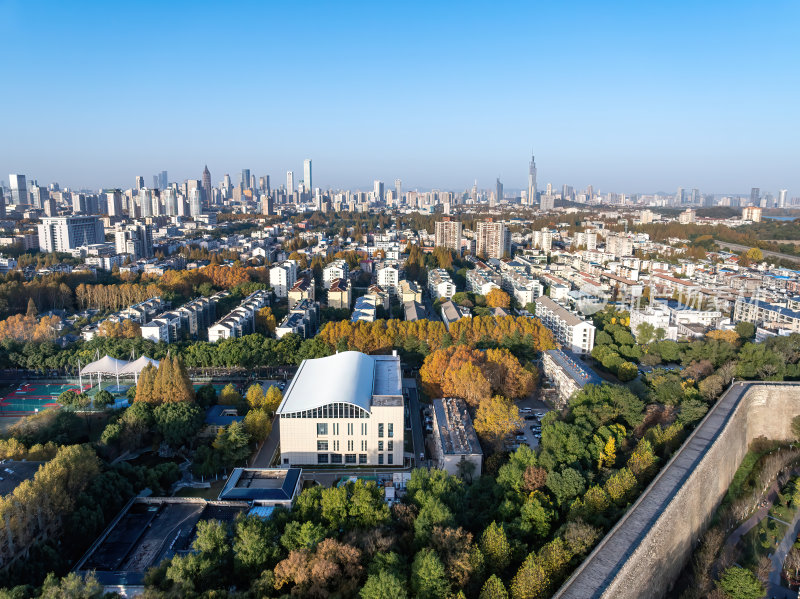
column 264, row 455
column 410, row 385
column 743, row 248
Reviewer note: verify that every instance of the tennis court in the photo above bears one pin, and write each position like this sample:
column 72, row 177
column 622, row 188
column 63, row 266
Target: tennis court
column 30, row 397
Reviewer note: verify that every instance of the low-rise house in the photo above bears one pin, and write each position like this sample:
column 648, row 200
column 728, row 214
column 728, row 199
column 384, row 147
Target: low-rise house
column 567, row 374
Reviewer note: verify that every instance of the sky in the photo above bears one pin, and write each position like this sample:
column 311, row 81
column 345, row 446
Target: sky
column 633, row 97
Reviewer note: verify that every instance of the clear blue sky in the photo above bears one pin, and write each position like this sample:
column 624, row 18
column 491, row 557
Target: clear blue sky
column 627, row 96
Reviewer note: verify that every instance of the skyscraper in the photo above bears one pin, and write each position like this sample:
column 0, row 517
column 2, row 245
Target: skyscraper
column 755, row 196
column 679, row 196
column 532, row 182
column 498, row 197
column 289, row 184
column 139, row 183
column 245, row 178
column 307, row 186
column 2, row 203
column 695, row 201
column 207, row 185
column 195, row 203
column 163, row 180
column 398, row 190
column 377, row 189
column 782, row 198
column 19, row 189
column 64, row 233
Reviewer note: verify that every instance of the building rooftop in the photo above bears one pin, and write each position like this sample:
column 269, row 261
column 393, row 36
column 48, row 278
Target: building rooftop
column 261, row 484
column 560, row 311
column 571, row 365
column 347, row 377
column 454, row 427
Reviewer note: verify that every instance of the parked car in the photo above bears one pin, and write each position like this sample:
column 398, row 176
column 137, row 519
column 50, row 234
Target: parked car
column 520, row 438
column 540, row 415
column 529, row 417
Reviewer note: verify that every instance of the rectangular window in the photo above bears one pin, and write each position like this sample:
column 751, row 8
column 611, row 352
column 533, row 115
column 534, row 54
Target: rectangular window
column 380, row 445
column 349, row 428
column 322, row 446
column 335, row 446
column 362, row 458
column 335, row 428
column 322, row 458
column 322, row 428
column 380, row 429
column 391, row 430
column 349, row 458
column 390, row 457
column 364, row 445
column 380, row 458
column 363, row 428
column 349, row 446
column 390, row 445
column 336, row 458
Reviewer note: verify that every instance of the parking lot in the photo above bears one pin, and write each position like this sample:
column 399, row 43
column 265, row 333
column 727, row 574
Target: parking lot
column 529, row 407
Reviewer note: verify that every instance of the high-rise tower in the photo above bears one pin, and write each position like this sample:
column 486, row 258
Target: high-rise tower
column 289, row 184
column 307, row 186
column 207, row 185
column 532, row 182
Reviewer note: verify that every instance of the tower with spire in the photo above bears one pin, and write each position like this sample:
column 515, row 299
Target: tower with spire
column 531, row 199
column 207, row 185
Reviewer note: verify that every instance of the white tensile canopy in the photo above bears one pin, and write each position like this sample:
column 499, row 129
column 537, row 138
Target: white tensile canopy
column 105, row 365
column 138, row 365
column 114, row 367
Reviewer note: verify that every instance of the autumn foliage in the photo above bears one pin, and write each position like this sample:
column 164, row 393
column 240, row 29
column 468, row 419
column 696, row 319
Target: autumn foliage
column 383, row 335
column 29, row 328
column 169, row 383
column 472, row 374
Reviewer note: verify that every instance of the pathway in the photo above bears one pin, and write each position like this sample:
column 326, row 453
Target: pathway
column 775, row 588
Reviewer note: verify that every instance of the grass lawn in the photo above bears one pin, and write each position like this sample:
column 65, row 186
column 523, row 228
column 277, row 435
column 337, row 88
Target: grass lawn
column 211, row 494
column 762, row 540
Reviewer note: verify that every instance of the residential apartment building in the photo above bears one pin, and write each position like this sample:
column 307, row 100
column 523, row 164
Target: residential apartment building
column 302, row 289
column 344, row 410
column 760, row 313
column 448, row 234
column 241, row 320
column 567, row 374
column 388, row 277
column 492, row 239
column 338, row 269
column 440, row 284
column 409, row 291
column 340, row 294
column 301, row 320
column 364, row 310
column 569, row 330
column 282, row 277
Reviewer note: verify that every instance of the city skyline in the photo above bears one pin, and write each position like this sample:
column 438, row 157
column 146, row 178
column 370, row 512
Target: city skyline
column 607, row 97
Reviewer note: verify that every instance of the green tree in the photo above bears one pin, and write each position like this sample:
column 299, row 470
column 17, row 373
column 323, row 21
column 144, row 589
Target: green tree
column 565, row 485
column 738, row 583
column 229, row 396
column 745, row 330
column 255, row 396
column 103, row 399
column 496, row 548
column 232, row 444
column 178, row 422
column 384, row 585
column 304, row 535
column 531, row 580
column 253, row 547
column 273, row 399
column 427, row 576
column 72, row 586
column 494, row 588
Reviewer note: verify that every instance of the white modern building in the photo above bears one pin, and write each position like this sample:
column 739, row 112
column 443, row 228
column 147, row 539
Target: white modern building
column 388, row 277
column 282, row 277
column 346, row 409
column 337, row 269
column 440, row 284
column 65, row 233
column 573, row 333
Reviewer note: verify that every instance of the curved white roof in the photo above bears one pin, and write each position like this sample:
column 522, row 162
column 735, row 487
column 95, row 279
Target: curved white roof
column 137, row 366
column 345, row 377
column 105, row 365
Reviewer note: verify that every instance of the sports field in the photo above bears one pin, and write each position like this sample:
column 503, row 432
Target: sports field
column 30, row 397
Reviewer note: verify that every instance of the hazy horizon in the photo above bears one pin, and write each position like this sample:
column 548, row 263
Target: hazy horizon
column 627, row 99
